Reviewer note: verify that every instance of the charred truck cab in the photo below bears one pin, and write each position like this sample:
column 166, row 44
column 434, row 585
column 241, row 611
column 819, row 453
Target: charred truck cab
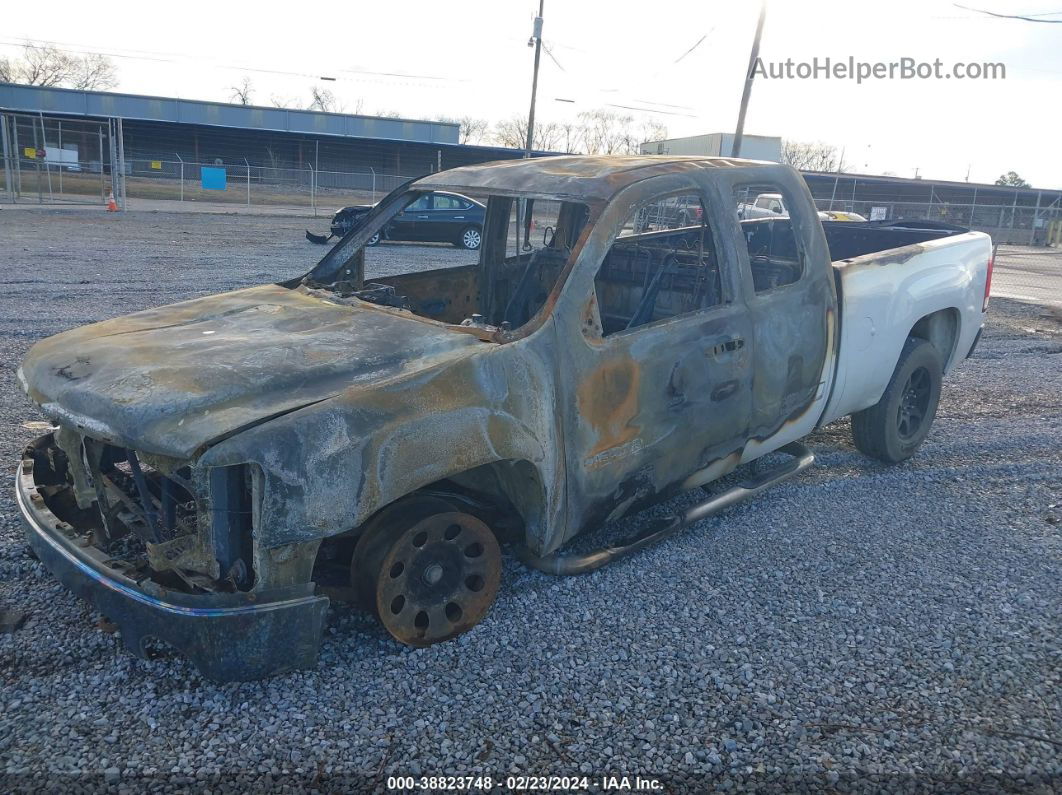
column 222, row 468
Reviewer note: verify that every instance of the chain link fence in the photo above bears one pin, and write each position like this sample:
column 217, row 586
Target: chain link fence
column 220, row 182
column 59, row 161
column 1006, row 223
column 49, row 160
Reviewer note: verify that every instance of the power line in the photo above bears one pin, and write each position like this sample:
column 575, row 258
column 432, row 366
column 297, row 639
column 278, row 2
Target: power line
column 694, row 47
column 148, row 55
column 552, row 57
column 359, row 75
column 1030, row 18
column 651, row 110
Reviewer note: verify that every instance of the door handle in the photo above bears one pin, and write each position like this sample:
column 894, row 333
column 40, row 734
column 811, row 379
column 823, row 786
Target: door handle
column 729, row 346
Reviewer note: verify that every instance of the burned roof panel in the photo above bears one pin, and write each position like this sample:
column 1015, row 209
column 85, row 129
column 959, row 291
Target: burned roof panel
column 575, row 176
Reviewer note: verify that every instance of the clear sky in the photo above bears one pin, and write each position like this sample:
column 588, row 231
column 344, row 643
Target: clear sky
column 470, row 57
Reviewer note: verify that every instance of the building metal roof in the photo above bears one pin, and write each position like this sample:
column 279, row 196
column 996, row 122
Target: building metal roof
column 104, row 104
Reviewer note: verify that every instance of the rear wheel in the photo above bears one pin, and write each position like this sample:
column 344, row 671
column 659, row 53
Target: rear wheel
column 428, row 571
column 374, row 240
column 894, row 428
column 471, row 238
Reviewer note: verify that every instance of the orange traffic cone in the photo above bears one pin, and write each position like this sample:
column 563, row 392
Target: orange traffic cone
column 112, row 205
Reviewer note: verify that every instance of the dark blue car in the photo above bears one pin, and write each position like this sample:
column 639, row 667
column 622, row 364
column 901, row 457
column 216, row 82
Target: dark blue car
column 435, row 217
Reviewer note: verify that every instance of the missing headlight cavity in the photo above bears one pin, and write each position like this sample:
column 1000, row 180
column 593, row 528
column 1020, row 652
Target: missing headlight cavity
column 156, row 518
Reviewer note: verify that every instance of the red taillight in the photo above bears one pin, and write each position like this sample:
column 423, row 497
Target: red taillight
column 988, row 280
column 697, row 213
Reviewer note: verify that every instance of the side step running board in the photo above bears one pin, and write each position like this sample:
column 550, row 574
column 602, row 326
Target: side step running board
column 659, row 529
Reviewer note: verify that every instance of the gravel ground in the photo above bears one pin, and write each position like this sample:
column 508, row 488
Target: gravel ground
column 862, row 628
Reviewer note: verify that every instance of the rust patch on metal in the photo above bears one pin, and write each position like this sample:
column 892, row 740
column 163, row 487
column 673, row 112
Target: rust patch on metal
column 608, row 401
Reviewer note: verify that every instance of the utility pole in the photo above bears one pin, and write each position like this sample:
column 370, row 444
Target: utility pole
column 536, row 42
column 736, row 149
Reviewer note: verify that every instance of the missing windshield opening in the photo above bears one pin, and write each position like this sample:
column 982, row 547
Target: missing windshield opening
column 483, row 261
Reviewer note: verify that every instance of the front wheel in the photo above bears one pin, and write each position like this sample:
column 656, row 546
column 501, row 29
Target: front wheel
column 428, row 571
column 893, row 429
column 471, row 238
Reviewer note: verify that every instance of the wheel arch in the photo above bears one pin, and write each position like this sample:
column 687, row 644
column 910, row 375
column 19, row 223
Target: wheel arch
column 940, row 328
column 496, row 490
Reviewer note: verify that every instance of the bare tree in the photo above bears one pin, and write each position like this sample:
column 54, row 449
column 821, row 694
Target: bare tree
column 511, row 132
column 388, row 114
column 242, row 93
column 94, row 72
column 571, row 136
column 323, row 99
column 608, row 133
column 471, row 130
column 595, row 132
column 547, row 136
column 45, row 65
column 652, row 131
column 811, row 156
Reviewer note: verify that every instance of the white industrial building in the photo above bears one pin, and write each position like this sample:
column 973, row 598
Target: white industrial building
column 753, row 147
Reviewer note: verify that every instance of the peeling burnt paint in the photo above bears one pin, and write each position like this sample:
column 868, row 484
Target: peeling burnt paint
column 321, row 408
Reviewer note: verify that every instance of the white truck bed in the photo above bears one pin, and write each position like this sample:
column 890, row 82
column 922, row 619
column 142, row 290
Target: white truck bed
column 881, row 297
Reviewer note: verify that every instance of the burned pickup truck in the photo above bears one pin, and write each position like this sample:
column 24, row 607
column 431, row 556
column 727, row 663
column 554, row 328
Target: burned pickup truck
column 223, row 467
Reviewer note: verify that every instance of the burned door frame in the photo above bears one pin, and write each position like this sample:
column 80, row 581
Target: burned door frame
column 629, row 436
column 795, row 325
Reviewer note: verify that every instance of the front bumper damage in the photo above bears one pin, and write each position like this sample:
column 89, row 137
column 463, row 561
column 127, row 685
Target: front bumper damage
column 234, row 636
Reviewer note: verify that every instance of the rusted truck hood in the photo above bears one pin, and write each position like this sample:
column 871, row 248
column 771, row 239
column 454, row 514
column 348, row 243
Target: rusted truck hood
column 175, row 379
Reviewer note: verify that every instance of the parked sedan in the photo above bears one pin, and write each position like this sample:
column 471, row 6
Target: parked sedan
column 436, row 217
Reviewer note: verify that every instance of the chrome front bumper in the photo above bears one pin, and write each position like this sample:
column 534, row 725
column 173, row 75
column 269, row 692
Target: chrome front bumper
column 227, row 636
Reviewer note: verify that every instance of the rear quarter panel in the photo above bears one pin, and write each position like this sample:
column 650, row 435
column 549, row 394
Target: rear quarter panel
column 884, row 295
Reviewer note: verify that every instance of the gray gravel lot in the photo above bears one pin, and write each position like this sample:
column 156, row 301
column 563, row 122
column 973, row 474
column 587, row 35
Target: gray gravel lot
column 862, row 628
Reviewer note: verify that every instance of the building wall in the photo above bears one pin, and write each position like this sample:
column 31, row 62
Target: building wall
column 753, row 147
column 152, row 141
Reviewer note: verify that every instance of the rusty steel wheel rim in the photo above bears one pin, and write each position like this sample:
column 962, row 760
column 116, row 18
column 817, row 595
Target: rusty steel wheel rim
column 438, row 578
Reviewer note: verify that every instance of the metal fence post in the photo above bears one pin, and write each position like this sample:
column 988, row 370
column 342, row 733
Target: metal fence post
column 18, row 155
column 313, row 189
column 181, row 161
column 123, row 203
column 47, row 167
column 373, row 172
column 37, row 163
column 112, row 148
column 248, row 181
column 6, row 144
column 59, row 122
column 103, row 182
